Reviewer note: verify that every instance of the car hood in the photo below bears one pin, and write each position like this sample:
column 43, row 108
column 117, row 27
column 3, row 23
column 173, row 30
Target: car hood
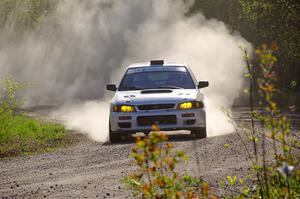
column 156, row 96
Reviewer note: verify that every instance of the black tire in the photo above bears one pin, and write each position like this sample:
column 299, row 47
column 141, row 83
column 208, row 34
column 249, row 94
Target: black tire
column 200, row 133
column 114, row 137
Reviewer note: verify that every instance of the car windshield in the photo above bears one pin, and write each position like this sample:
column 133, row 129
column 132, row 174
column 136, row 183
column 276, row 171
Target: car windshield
column 157, row 79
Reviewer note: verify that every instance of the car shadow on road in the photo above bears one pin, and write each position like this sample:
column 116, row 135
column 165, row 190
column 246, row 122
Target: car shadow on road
column 129, row 139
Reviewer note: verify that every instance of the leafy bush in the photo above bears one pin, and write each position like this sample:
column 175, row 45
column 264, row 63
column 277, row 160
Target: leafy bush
column 9, row 101
column 276, row 168
column 156, row 176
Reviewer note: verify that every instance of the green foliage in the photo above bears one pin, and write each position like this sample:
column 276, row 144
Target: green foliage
column 276, row 171
column 156, row 176
column 20, row 134
column 9, row 101
column 24, row 15
column 265, row 21
column 231, row 180
column 227, row 145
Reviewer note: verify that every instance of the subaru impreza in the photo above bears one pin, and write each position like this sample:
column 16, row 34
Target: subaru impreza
column 157, row 95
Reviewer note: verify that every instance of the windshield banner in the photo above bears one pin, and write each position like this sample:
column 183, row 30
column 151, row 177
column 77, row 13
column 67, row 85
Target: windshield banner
column 148, row 69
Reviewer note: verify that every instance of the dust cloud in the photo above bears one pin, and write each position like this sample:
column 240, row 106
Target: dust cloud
column 90, row 117
column 85, row 44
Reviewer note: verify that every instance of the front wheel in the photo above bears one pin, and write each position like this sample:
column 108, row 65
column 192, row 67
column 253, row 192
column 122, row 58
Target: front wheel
column 114, row 137
column 199, row 133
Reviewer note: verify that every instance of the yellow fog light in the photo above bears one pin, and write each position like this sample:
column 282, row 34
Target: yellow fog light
column 123, row 108
column 186, row 105
column 190, row 105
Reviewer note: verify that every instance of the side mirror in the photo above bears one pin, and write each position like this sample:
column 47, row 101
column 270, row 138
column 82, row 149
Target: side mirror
column 203, row 84
column 111, row 87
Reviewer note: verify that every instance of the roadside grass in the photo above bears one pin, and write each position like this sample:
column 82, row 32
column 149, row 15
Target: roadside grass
column 22, row 135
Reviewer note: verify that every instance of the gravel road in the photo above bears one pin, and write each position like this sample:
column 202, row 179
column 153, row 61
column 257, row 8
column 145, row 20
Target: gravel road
column 95, row 170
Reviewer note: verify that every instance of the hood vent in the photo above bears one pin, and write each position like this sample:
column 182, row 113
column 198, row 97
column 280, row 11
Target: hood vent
column 155, row 91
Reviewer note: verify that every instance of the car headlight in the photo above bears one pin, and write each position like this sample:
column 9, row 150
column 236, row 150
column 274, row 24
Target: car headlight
column 123, row 108
column 190, row 105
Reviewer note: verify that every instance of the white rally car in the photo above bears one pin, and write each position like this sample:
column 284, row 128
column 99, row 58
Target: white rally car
column 155, row 95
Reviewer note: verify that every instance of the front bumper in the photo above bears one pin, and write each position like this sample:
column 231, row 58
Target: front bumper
column 196, row 119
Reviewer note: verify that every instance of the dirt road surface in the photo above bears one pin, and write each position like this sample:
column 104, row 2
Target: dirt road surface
column 95, row 170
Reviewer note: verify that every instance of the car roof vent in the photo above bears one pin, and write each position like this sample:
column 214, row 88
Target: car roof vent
column 156, row 62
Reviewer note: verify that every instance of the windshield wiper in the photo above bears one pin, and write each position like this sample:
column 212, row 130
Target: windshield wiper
column 172, row 87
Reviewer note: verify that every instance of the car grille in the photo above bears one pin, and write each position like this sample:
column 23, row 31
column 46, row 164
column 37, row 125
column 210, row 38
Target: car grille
column 159, row 120
column 155, row 106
